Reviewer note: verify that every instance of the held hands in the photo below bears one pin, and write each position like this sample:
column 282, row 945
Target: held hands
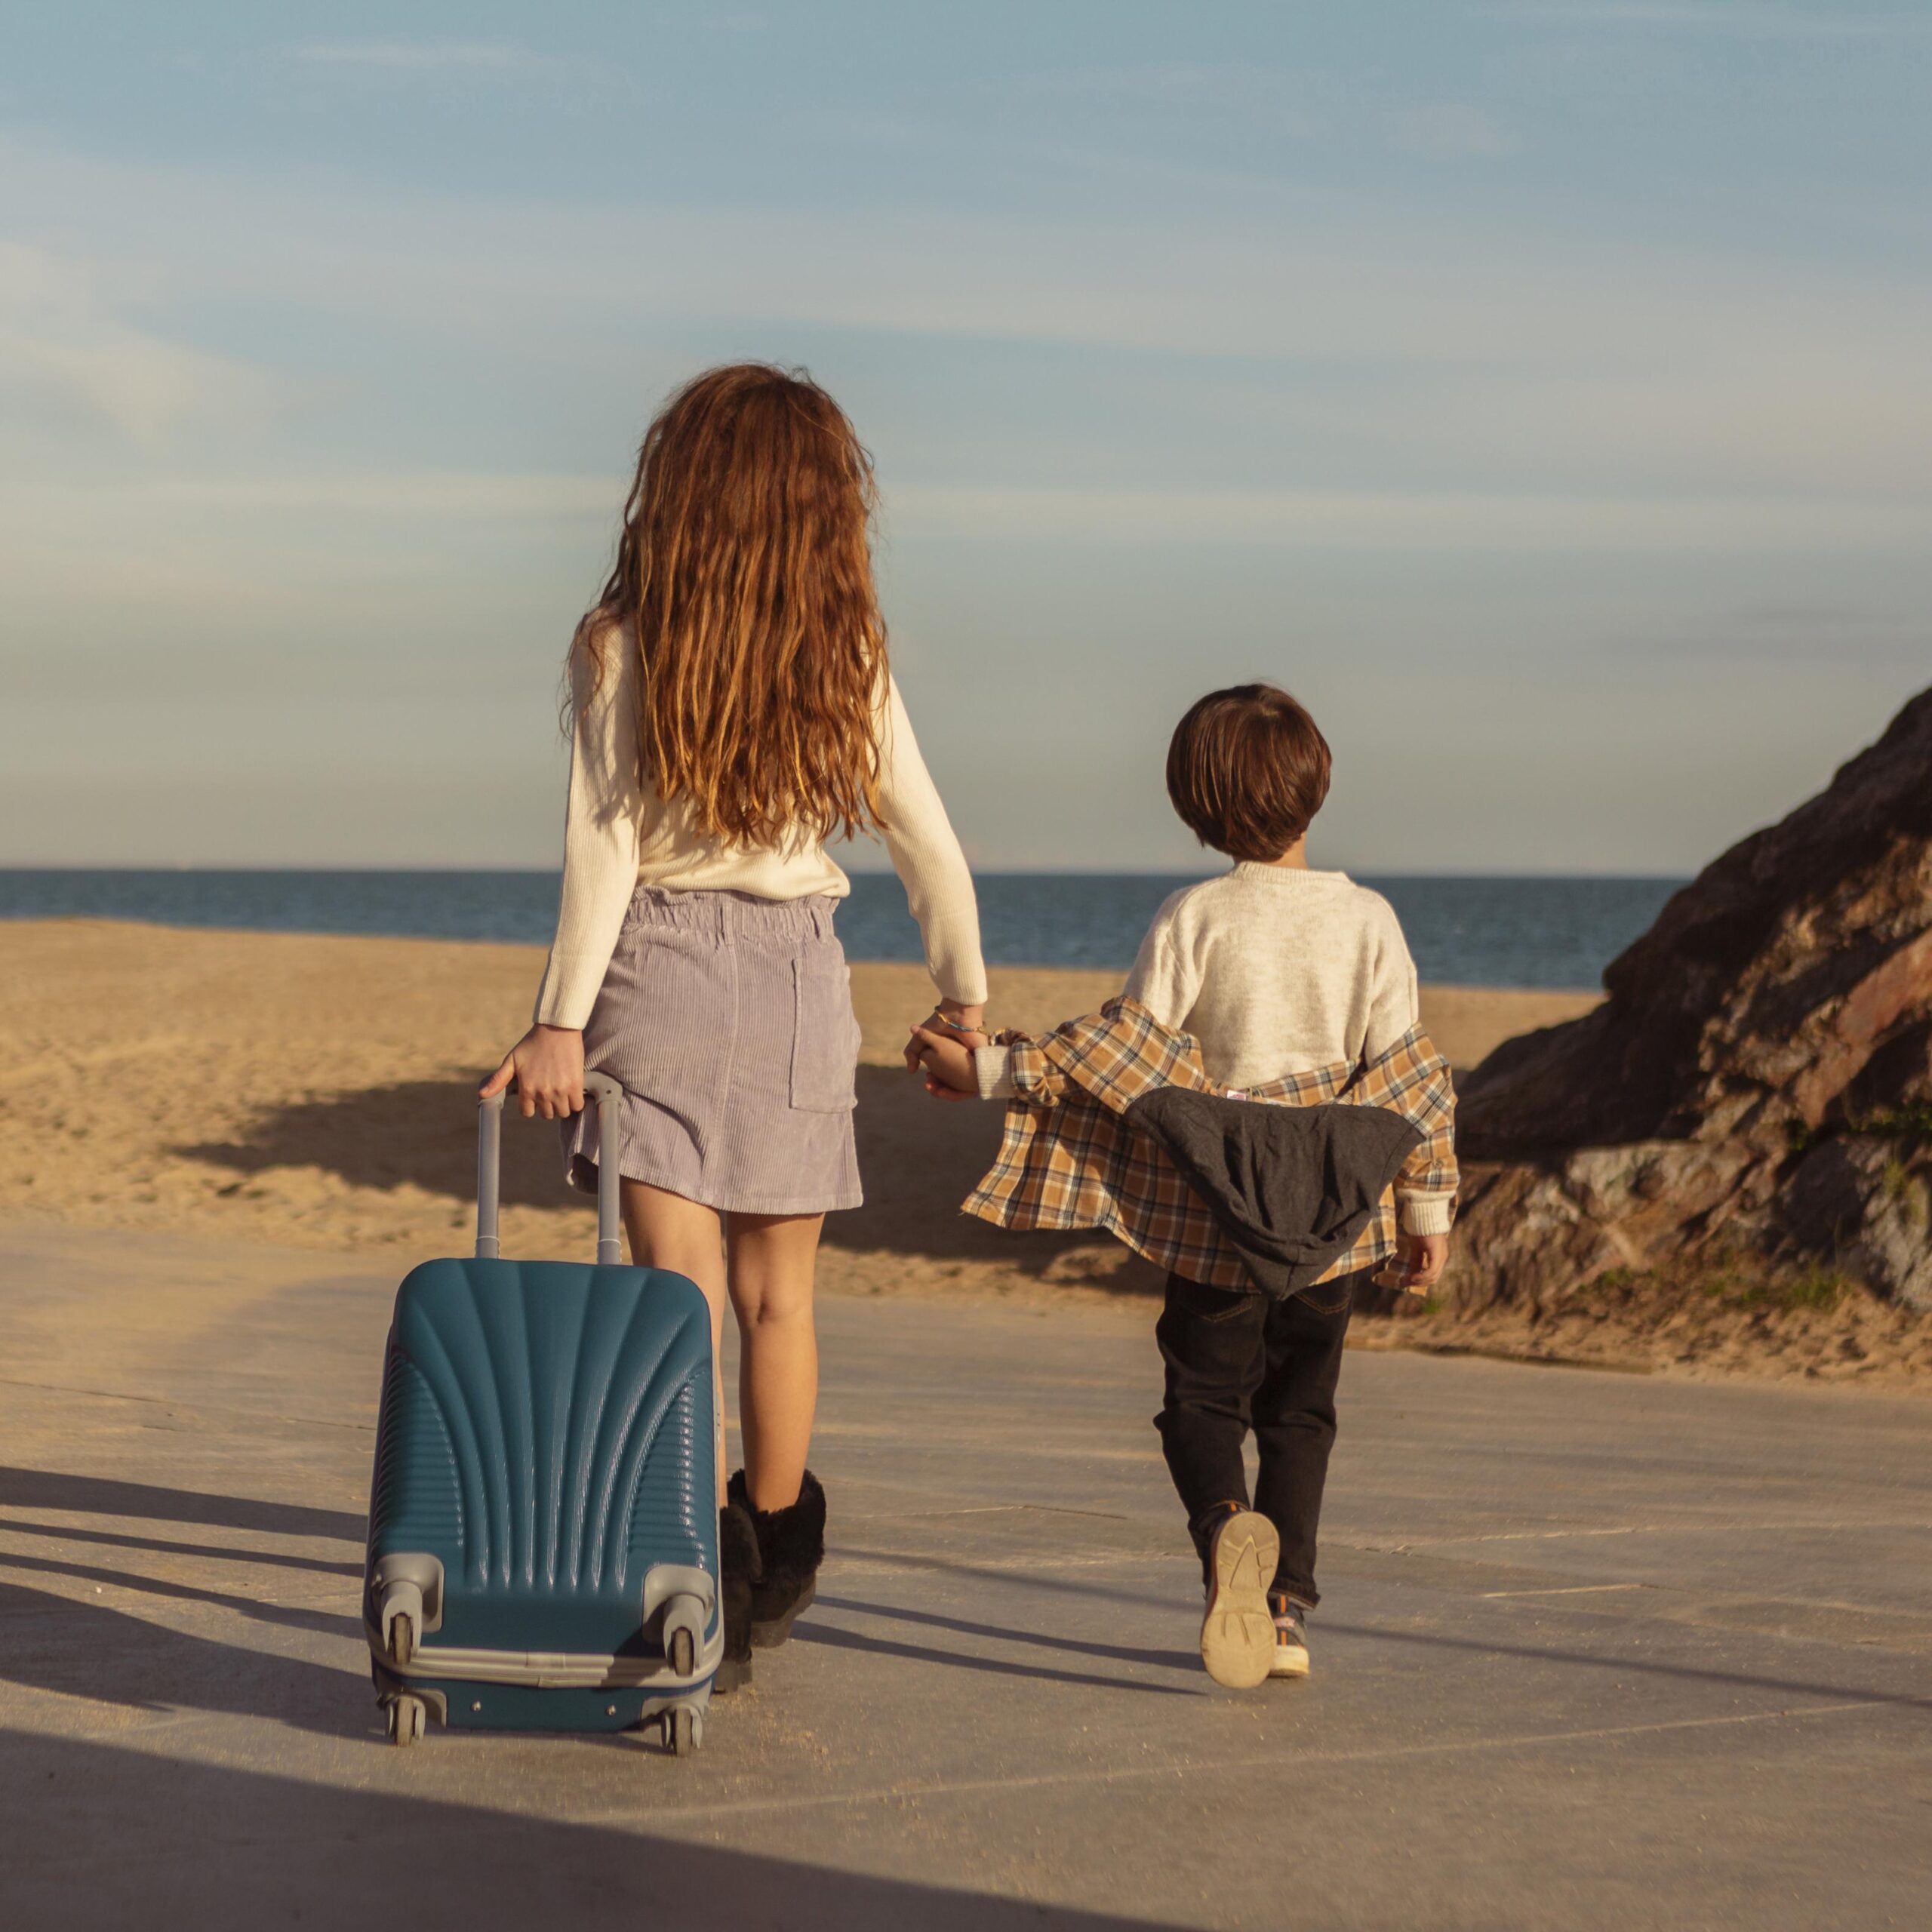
column 946, row 1061
column 943, row 1053
column 547, row 1064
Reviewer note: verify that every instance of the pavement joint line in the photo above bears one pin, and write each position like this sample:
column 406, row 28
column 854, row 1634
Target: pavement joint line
column 991, row 1509
column 177, row 1718
column 1633, row 1530
column 1140, row 1774
column 185, row 1404
column 1571, row 1590
column 879, row 1559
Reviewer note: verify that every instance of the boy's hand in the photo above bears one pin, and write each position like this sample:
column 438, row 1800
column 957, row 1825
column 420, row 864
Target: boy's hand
column 964, row 1022
column 1422, row 1259
column 946, row 1060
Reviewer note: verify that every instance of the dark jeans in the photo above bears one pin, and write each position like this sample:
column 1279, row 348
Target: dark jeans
column 1238, row 1359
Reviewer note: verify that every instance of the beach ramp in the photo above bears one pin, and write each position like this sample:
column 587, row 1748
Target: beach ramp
column 1596, row 1650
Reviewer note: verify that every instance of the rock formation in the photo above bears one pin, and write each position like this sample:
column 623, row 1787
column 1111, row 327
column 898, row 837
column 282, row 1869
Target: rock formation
column 1755, row 1092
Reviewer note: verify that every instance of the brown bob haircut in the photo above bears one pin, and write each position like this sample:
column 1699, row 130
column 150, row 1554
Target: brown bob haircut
column 1248, row 771
column 744, row 581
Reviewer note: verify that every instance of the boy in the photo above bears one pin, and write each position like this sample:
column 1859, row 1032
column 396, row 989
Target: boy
column 1271, row 982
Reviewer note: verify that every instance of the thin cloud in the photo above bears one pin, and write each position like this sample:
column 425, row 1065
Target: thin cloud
column 59, row 339
column 1712, row 17
column 36, row 513
column 1178, row 87
column 1183, row 83
column 456, row 495
column 397, row 56
column 1450, row 132
column 1398, row 521
column 1506, row 357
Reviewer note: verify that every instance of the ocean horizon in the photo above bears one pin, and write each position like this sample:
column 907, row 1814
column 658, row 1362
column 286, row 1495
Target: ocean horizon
column 1554, row 932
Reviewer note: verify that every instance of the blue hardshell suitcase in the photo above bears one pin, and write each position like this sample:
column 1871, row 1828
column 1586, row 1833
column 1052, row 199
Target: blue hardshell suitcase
column 543, row 1518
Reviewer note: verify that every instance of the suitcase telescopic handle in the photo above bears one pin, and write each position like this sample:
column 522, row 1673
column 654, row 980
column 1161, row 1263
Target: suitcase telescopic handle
column 599, row 1090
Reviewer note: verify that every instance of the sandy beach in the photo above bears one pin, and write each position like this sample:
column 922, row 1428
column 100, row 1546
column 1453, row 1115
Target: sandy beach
column 315, row 1092
column 293, row 1091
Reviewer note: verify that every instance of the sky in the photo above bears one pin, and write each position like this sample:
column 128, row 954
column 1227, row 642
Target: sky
column 1539, row 391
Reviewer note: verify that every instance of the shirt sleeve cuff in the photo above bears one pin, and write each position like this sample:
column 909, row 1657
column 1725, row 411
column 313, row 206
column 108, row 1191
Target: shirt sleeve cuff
column 566, row 996
column 1427, row 1215
column 992, row 1067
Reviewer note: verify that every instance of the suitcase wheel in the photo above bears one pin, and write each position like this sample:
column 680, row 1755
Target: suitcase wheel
column 402, row 1639
column 684, row 1730
column 684, row 1652
column 407, row 1717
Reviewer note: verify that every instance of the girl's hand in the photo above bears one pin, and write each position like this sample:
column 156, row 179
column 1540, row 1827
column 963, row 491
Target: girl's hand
column 947, row 1062
column 967, row 1023
column 547, row 1064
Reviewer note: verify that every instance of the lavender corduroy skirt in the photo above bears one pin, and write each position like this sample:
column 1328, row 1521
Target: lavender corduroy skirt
column 728, row 1019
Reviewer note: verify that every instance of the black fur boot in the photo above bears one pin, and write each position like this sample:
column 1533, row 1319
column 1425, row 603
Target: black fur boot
column 791, row 1546
column 738, row 1559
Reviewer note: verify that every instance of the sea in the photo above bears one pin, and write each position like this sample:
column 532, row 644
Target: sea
column 1512, row 931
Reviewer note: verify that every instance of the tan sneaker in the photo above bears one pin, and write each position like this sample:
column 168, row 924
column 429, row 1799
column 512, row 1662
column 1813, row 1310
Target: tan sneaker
column 1291, row 1638
column 1237, row 1632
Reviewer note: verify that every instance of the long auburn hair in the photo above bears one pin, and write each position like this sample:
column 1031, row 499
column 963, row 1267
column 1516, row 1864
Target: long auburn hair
column 744, row 581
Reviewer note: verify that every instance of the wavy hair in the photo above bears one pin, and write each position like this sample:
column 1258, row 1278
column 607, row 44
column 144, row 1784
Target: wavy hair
column 743, row 580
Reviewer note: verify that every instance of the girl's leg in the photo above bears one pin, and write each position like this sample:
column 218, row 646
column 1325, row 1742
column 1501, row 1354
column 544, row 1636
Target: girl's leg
column 667, row 1231
column 773, row 1259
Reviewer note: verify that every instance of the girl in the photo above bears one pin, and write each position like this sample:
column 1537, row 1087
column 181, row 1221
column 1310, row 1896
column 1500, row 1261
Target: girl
column 733, row 711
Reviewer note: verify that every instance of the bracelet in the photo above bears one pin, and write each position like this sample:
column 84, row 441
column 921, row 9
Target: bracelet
column 952, row 1026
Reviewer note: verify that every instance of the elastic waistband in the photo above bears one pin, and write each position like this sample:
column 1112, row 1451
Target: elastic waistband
column 740, row 916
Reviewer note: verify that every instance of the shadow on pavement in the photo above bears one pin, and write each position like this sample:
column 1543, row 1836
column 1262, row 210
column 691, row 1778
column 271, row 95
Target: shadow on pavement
column 295, row 1617
column 215, row 1847
column 50, row 1489
column 919, row 1159
column 165, row 1546
column 86, row 1650
column 1621, row 1661
column 1190, row 1660
column 419, row 1132
column 834, row 1638
column 1028, row 1579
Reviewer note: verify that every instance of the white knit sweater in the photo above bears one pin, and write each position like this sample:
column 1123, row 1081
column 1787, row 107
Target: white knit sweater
column 1275, row 969
column 617, row 837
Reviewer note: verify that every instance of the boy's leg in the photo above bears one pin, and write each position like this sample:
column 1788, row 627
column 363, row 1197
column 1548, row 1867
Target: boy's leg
column 1293, row 1412
column 1210, row 1341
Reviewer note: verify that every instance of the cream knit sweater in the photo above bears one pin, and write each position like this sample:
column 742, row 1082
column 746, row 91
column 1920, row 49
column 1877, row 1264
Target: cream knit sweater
column 1275, row 969
column 617, row 837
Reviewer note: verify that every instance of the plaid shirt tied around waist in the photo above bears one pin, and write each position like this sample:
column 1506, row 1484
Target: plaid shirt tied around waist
column 1070, row 1158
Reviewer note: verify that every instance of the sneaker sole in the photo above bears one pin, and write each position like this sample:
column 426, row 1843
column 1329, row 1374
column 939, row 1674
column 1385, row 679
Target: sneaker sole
column 1237, row 1632
column 1288, row 1663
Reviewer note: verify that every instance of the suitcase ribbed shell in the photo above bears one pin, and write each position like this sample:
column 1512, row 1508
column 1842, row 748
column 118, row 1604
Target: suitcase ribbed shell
column 547, row 1433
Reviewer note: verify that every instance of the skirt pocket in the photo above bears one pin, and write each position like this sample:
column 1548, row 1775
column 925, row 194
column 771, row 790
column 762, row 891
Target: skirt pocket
column 664, row 1024
column 825, row 1038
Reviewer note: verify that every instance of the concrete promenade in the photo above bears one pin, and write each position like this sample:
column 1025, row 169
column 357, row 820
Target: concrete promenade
column 1598, row 1650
